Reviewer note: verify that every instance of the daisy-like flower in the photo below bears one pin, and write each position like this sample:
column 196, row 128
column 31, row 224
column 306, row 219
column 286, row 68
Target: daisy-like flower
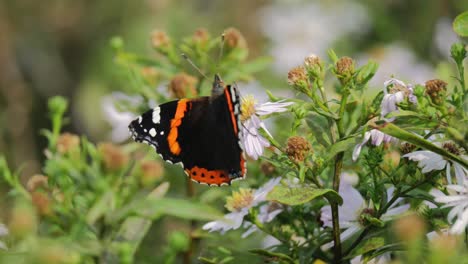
column 376, row 137
column 395, row 92
column 353, row 209
column 239, row 204
column 3, row 232
column 251, row 111
column 117, row 119
column 430, row 161
column 458, row 200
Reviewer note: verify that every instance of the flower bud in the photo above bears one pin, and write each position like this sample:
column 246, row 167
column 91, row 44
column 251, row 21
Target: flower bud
column 23, row 220
column 67, row 142
column 57, row 105
column 160, row 40
column 234, row 39
column 297, row 77
column 113, row 157
column 201, row 36
column 391, row 160
column 37, row 181
column 458, row 52
column 42, row 203
column 406, row 148
column 410, row 228
column 151, row 171
column 344, row 69
column 150, row 74
column 297, row 148
column 436, row 90
column 267, row 168
column 183, row 85
column 314, row 66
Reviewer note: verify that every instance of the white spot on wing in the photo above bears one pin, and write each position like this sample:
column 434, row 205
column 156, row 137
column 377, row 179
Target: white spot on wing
column 140, row 119
column 156, row 115
column 161, row 133
column 152, row 132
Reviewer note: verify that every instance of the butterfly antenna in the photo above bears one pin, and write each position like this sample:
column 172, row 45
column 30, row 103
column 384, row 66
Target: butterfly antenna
column 220, row 51
column 193, row 65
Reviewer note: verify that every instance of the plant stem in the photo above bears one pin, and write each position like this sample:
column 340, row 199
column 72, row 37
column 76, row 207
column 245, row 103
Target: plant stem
column 334, row 208
column 193, row 225
column 339, row 123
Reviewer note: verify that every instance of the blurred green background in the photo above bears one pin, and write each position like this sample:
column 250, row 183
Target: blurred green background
column 62, row 47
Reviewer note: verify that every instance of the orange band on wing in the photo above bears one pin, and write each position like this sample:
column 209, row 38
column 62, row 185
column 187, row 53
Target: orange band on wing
column 174, row 146
column 210, row 177
column 231, row 110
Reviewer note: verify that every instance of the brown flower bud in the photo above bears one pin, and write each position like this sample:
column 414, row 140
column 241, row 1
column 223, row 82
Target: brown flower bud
column 42, row 203
column 391, row 160
column 67, row 142
column 159, row 39
column 150, row 74
column 23, row 220
column 37, row 181
column 267, row 168
column 151, row 171
column 410, row 228
column 113, row 157
column 436, row 90
column 298, row 77
column 345, row 69
column 406, row 148
column 452, row 148
column 183, row 85
column 234, row 39
column 297, row 148
column 201, row 36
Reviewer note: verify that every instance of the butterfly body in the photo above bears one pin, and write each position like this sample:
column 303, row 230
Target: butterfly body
column 201, row 134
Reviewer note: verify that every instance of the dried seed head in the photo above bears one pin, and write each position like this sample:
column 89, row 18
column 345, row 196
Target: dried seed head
column 42, row 203
column 201, row 36
column 452, row 148
column 345, row 69
column 312, row 61
column 183, row 85
column 267, row 168
column 436, row 90
column 36, row 182
column 247, row 107
column 410, row 228
column 151, row 171
column 406, row 148
column 239, row 199
column 298, row 77
column 297, row 148
column 234, row 39
column 67, row 142
column 113, row 157
column 159, row 39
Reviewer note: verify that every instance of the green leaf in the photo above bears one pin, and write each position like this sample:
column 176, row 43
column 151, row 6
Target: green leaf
column 369, row 245
column 270, row 254
column 340, row 146
column 395, row 131
column 460, row 24
column 301, row 194
column 179, row 208
column 103, row 205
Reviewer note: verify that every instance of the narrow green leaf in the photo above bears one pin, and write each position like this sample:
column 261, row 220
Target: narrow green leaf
column 301, row 194
column 395, row 131
column 340, row 146
column 368, row 245
column 267, row 253
column 103, row 205
column 460, row 24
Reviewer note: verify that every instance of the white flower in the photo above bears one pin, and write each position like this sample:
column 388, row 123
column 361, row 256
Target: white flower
column 430, row 161
column 117, row 119
column 241, row 203
column 398, row 94
column 376, row 137
column 253, row 141
column 351, row 210
column 458, row 200
column 3, row 232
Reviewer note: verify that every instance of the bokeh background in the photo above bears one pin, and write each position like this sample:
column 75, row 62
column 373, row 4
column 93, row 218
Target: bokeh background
column 62, row 47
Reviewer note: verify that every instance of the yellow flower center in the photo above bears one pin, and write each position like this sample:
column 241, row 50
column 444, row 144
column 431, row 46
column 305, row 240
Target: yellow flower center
column 247, row 107
column 240, row 199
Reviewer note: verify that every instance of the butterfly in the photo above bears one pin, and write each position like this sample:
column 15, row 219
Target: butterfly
column 203, row 134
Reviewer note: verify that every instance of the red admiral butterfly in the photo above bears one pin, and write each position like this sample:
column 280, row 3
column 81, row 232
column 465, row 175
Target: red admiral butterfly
column 201, row 134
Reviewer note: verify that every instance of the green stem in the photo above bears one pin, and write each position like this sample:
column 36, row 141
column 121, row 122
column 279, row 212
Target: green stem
column 343, row 103
column 334, row 207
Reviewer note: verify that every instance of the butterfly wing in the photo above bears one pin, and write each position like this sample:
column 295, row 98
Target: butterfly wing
column 202, row 134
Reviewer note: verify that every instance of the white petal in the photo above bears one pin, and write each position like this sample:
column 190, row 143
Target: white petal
column 460, row 173
column 349, row 232
column 272, row 107
column 261, row 193
column 460, row 224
